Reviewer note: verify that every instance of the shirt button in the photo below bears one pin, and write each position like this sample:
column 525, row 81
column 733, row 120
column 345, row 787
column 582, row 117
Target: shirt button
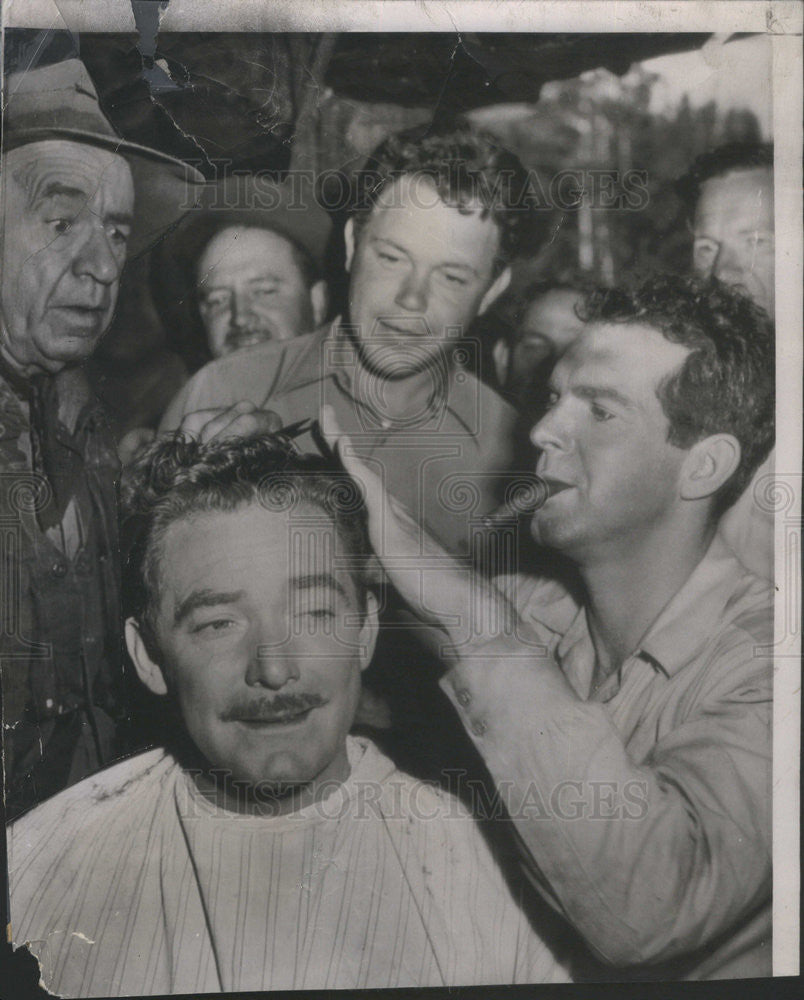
column 463, row 697
column 59, row 569
column 479, row 727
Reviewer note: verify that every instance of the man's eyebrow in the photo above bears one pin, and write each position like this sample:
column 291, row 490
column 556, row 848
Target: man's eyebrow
column 390, row 243
column 56, row 189
column 204, row 599
column 603, row 392
column 120, row 218
column 457, row 264
column 318, row 581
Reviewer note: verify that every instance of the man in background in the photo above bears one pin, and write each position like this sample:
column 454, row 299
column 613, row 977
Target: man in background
column 77, row 200
column 546, row 324
column 243, row 269
column 729, row 192
column 248, row 264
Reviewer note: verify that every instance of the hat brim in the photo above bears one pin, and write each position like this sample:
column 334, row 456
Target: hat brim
column 165, row 188
column 309, row 230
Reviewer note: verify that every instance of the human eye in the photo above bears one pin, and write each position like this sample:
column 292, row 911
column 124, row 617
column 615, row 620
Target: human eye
column 61, row 225
column 600, row 413
column 320, row 614
column 761, row 241
column 388, row 254
column 214, row 299
column 455, row 278
column 552, row 398
column 704, row 249
column 119, row 235
column 212, row 627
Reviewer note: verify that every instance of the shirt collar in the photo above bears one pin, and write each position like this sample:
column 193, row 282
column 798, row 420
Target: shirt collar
column 677, row 635
column 460, row 395
column 685, row 624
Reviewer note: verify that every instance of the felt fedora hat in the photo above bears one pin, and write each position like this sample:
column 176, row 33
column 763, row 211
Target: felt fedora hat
column 60, row 102
column 254, row 201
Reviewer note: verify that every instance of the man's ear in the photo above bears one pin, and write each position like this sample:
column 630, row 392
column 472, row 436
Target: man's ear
column 369, row 631
column 319, row 300
column 709, row 464
column 495, row 289
column 501, row 354
column 149, row 672
column 349, row 240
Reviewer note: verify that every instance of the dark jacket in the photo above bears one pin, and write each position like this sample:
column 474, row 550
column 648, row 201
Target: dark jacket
column 59, row 555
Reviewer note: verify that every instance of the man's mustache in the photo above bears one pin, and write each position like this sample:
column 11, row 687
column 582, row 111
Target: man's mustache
column 237, row 333
column 269, row 709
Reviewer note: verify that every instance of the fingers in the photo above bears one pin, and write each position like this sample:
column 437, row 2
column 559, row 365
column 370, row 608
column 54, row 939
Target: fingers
column 132, row 443
column 243, row 419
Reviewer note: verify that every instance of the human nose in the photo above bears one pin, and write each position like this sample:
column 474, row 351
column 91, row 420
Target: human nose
column 413, row 292
column 97, row 258
column 728, row 266
column 552, row 431
column 272, row 667
column 240, row 307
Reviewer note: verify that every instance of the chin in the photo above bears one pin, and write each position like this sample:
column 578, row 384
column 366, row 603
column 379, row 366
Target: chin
column 398, row 360
column 554, row 534
column 282, row 769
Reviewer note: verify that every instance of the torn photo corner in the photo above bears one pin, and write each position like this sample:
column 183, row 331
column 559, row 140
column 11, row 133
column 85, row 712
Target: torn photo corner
column 399, row 565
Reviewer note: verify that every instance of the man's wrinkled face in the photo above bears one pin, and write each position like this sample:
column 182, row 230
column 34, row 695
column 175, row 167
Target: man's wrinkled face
column 67, row 213
column 262, row 642
column 420, row 273
column 605, row 438
column 734, row 233
column 251, row 289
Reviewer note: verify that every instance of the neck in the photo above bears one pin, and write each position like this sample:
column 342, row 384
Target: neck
column 627, row 590
column 402, row 397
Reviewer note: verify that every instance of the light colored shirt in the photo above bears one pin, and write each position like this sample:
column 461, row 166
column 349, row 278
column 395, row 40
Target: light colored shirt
column 445, row 460
column 644, row 807
column 133, row 883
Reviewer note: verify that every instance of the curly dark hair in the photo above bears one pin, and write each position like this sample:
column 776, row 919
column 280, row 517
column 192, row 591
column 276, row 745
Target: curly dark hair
column 466, row 167
column 718, row 162
column 726, row 383
column 178, row 477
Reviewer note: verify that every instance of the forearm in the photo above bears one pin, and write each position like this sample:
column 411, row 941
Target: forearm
column 641, row 858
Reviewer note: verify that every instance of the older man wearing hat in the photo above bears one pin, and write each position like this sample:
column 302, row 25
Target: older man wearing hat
column 248, row 264
column 76, row 201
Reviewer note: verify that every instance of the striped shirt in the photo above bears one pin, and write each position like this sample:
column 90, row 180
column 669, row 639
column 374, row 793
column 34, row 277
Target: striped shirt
column 133, row 883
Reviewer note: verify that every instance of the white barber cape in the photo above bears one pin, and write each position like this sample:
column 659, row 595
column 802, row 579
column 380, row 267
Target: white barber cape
column 132, row 883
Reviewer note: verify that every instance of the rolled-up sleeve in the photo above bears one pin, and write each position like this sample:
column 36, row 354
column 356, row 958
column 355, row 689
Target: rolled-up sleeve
column 649, row 855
